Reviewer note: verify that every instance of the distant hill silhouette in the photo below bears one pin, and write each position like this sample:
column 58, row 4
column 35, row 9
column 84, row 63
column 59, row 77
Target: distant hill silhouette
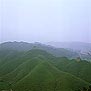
column 23, row 46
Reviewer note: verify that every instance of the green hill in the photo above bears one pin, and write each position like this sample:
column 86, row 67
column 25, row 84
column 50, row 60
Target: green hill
column 23, row 46
column 38, row 70
column 11, row 62
column 45, row 77
column 22, row 70
column 59, row 52
column 81, row 69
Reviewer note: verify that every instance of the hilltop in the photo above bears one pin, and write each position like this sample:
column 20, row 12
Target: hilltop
column 24, row 46
column 36, row 69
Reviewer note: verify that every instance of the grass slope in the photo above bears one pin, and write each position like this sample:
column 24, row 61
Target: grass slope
column 81, row 69
column 13, row 60
column 37, row 70
column 45, row 77
column 22, row 70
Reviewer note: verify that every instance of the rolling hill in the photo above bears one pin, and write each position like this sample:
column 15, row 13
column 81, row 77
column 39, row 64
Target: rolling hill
column 39, row 70
column 83, row 49
column 23, row 46
column 79, row 68
column 46, row 77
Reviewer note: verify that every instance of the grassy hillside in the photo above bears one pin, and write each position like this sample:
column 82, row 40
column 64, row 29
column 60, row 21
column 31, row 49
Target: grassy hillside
column 22, row 70
column 38, row 70
column 11, row 62
column 81, row 69
column 45, row 77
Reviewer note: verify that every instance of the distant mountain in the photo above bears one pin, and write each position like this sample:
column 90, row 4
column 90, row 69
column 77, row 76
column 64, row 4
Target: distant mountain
column 19, row 46
column 83, row 49
column 38, row 70
column 23, row 46
column 79, row 46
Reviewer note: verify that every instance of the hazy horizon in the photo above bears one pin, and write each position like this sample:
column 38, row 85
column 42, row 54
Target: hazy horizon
column 48, row 42
column 45, row 20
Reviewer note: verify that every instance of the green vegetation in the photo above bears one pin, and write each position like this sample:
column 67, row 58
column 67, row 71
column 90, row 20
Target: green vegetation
column 38, row 70
column 81, row 69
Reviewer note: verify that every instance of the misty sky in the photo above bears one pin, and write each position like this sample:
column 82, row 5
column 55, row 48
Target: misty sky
column 45, row 20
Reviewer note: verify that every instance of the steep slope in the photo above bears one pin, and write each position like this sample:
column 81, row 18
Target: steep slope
column 11, row 62
column 79, row 68
column 6, row 55
column 60, row 62
column 37, row 70
column 7, row 59
column 12, row 59
column 23, row 69
column 45, row 77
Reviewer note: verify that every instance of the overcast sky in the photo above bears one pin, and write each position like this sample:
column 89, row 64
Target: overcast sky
column 45, row 20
